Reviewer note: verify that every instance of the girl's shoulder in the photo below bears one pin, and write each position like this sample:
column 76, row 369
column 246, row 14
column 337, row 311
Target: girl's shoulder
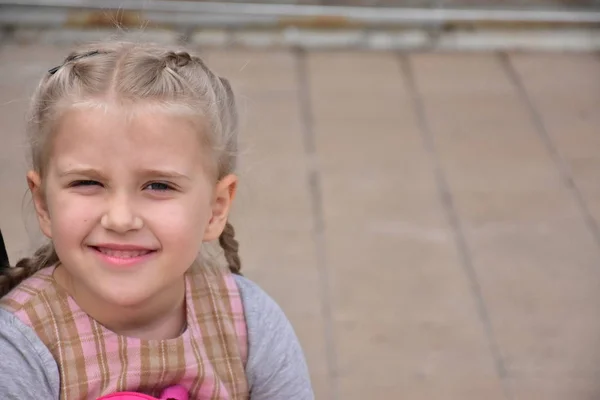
column 26, row 360
column 276, row 367
column 264, row 316
column 255, row 299
column 29, row 293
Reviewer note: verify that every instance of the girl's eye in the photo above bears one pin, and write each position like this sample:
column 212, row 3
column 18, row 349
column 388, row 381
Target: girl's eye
column 83, row 183
column 159, row 186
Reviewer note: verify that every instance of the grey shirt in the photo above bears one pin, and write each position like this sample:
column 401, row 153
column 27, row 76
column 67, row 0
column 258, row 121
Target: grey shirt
column 276, row 368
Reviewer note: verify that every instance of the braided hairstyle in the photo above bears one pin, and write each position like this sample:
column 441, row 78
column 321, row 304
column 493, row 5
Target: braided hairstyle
column 129, row 73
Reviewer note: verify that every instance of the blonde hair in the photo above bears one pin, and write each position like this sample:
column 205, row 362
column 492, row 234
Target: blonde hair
column 130, row 73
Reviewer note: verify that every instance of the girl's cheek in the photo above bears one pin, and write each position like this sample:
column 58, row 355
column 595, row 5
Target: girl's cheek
column 180, row 211
column 75, row 208
column 176, row 221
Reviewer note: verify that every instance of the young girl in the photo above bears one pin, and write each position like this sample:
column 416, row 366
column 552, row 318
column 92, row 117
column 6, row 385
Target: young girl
column 134, row 149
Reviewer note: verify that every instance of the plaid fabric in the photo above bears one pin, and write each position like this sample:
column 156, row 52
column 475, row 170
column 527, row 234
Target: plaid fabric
column 208, row 359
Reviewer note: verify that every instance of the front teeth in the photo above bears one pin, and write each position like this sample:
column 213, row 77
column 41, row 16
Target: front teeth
column 123, row 253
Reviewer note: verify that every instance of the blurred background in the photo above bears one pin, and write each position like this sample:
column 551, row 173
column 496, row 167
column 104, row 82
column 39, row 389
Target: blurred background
column 420, row 179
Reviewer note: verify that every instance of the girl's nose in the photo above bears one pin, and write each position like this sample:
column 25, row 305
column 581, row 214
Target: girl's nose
column 120, row 216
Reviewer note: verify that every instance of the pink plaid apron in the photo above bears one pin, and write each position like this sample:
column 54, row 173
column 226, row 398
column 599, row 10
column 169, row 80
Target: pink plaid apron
column 208, row 359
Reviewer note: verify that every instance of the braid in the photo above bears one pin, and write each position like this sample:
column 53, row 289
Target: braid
column 10, row 277
column 230, row 248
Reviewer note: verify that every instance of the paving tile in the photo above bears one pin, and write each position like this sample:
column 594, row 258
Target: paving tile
column 272, row 214
column 405, row 319
column 566, row 93
column 404, row 313
column 535, row 259
column 585, row 388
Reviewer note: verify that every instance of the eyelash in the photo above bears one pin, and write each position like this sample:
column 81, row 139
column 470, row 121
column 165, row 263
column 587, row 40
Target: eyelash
column 84, row 183
column 165, row 186
column 87, row 182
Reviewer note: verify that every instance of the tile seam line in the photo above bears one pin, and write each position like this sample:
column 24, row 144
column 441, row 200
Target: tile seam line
column 314, row 184
column 451, row 214
column 560, row 163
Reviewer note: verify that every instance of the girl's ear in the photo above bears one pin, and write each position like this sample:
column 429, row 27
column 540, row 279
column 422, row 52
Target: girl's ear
column 34, row 182
column 223, row 198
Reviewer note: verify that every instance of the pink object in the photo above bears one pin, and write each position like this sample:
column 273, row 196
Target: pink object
column 171, row 393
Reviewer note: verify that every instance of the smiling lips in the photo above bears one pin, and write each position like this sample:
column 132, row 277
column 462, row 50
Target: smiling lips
column 122, row 255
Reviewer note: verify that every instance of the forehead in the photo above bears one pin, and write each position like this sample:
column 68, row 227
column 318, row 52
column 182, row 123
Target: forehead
column 143, row 138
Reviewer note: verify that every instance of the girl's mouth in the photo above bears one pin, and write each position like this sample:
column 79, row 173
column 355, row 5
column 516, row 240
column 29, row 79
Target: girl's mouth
column 122, row 253
column 122, row 256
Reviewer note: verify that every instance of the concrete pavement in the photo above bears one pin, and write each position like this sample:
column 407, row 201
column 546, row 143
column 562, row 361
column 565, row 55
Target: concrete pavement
column 429, row 222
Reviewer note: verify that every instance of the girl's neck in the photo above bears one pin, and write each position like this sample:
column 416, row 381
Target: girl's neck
column 161, row 317
column 167, row 325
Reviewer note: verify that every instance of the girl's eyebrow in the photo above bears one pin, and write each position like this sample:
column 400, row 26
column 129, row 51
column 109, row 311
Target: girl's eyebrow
column 153, row 172
column 164, row 173
column 80, row 171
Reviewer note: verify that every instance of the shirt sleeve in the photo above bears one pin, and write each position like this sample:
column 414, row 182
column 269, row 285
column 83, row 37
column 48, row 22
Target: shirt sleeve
column 276, row 367
column 27, row 369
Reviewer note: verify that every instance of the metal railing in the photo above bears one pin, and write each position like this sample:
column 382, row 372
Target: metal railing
column 362, row 14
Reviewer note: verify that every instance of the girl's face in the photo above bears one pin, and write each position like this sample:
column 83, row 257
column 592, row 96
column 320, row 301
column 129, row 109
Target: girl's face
column 127, row 200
